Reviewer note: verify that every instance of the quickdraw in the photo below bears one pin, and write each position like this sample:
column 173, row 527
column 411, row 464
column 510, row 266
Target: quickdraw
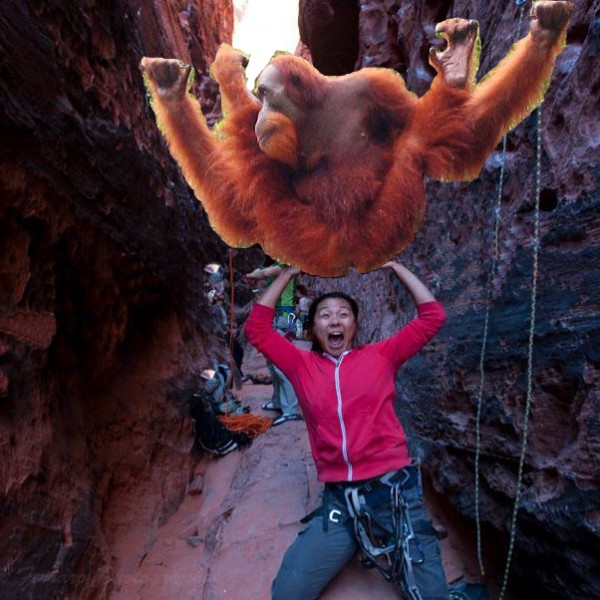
column 391, row 552
column 290, row 326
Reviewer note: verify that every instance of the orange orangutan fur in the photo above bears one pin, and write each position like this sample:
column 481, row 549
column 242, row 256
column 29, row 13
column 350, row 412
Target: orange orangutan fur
column 360, row 205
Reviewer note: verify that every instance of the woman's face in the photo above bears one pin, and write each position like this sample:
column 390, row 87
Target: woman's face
column 334, row 326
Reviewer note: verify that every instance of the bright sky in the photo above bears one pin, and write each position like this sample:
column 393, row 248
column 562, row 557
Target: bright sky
column 265, row 26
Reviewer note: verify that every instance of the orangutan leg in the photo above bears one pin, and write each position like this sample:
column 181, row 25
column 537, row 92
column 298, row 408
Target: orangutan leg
column 166, row 78
column 229, row 70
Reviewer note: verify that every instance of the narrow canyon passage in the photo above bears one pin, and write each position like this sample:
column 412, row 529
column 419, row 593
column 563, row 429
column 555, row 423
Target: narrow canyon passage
column 106, row 325
column 241, row 513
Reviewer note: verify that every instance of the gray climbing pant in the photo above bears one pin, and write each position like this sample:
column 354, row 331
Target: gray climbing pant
column 284, row 397
column 329, row 541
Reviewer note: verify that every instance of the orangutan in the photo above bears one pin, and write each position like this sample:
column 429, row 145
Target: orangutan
column 327, row 173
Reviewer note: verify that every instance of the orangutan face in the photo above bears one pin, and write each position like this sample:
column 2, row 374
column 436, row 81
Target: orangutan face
column 278, row 117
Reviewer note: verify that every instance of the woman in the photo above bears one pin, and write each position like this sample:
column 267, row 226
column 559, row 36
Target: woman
column 372, row 497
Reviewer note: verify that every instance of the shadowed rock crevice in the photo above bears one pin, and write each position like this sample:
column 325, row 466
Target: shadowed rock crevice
column 329, row 29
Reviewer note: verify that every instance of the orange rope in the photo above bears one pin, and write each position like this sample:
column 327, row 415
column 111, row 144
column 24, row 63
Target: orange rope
column 231, row 316
column 250, row 424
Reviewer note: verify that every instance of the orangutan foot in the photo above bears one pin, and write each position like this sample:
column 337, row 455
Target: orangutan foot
column 548, row 19
column 229, row 63
column 457, row 63
column 167, row 77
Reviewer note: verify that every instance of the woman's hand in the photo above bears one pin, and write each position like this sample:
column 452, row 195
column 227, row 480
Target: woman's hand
column 413, row 284
column 272, row 293
column 391, row 264
column 292, row 271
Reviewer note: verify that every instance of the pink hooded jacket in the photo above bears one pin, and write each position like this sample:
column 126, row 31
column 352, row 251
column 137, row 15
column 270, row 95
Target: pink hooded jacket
column 348, row 403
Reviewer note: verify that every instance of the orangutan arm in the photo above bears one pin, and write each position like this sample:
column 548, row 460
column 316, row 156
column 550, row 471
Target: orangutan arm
column 228, row 69
column 272, row 294
column 462, row 122
column 518, row 84
column 179, row 117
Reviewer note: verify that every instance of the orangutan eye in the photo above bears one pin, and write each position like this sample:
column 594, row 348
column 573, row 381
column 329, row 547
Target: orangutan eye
column 261, row 92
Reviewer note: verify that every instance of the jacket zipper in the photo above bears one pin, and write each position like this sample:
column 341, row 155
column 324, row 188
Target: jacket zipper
column 338, row 391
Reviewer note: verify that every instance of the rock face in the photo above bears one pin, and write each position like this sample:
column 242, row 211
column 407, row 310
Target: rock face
column 329, row 28
column 103, row 328
column 102, row 322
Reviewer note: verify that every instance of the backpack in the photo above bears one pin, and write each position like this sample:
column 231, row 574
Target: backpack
column 216, row 383
column 206, row 405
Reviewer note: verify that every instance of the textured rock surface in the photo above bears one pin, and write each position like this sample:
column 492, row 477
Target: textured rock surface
column 329, row 28
column 102, row 326
column 101, row 248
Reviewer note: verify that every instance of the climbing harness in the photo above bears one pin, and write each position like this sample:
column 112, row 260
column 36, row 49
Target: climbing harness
column 392, row 551
column 491, row 273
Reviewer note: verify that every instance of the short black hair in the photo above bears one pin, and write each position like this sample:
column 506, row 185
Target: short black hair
column 312, row 311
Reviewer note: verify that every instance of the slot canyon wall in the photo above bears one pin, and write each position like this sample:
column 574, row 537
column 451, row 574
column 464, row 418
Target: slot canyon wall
column 103, row 326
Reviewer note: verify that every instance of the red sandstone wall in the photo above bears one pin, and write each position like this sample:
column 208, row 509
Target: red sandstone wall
column 102, row 320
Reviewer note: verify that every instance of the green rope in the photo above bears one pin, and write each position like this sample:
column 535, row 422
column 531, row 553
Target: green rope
column 482, row 357
column 534, row 280
column 490, row 279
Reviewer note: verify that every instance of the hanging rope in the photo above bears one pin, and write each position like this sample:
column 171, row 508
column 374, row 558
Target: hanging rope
column 490, row 279
column 231, row 315
column 482, row 356
column 534, row 280
column 251, row 425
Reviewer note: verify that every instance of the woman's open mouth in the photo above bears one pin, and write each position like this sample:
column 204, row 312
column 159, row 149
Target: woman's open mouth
column 336, row 340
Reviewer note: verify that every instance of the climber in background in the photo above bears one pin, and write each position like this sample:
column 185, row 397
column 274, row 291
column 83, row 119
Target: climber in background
column 284, row 397
column 303, row 299
column 221, row 325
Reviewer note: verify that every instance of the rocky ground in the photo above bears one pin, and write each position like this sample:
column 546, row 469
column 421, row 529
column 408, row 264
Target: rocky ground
column 241, row 513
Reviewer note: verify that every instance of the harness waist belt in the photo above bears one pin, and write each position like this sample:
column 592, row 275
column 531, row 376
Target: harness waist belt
column 377, row 489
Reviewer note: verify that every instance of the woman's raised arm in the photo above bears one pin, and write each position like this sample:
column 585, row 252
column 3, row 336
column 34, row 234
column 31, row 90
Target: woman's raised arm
column 273, row 292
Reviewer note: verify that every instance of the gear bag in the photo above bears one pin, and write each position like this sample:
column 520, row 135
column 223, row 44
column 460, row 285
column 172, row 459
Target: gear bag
column 205, row 406
column 217, row 382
